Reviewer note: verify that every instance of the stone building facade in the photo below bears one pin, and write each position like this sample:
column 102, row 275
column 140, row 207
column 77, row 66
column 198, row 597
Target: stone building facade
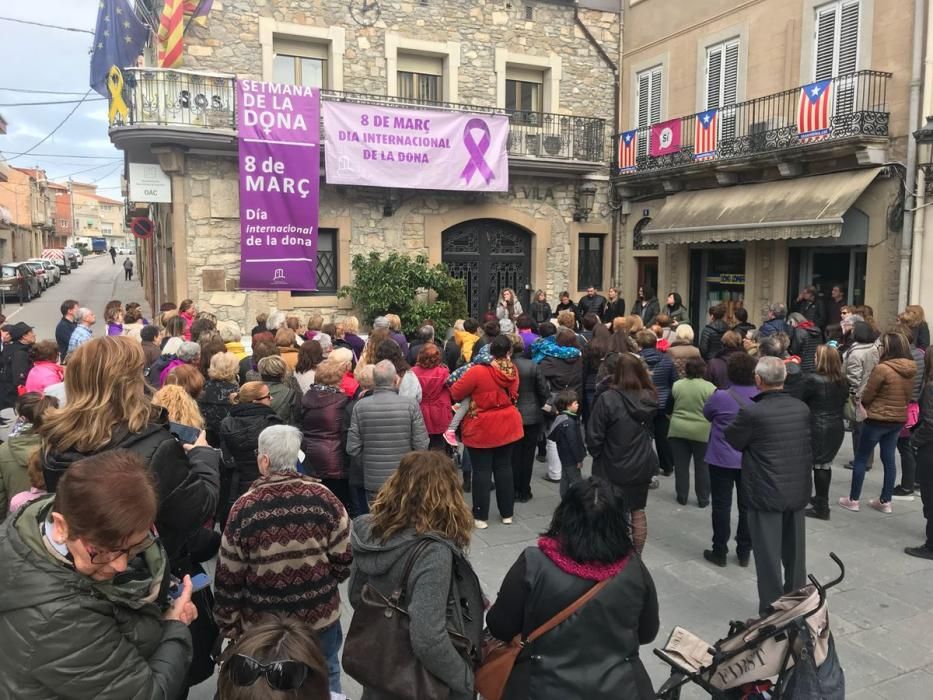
column 772, row 210
column 549, row 64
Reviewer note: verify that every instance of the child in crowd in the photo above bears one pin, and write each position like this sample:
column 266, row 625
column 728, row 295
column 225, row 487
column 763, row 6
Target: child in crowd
column 461, row 409
column 567, row 433
column 467, row 338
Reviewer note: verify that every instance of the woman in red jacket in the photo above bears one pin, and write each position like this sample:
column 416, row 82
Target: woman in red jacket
column 490, row 427
column 432, row 373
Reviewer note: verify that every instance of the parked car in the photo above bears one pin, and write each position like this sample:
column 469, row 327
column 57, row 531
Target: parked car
column 43, row 276
column 51, row 269
column 18, row 280
column 79, row 259
column 58, row 258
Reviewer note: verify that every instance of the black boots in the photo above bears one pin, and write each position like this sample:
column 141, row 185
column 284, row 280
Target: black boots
column 820, row 509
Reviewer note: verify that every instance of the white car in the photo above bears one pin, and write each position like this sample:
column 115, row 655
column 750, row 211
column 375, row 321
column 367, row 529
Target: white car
column 76, row 253
column 53, row 273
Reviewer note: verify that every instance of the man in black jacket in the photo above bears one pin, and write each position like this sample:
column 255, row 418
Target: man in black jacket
column 591, row 303
column 66, row 326
column 775, row 480
column 811, row 307
column 15, row 363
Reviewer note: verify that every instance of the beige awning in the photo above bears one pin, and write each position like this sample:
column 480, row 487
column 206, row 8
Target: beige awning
column 806, row 207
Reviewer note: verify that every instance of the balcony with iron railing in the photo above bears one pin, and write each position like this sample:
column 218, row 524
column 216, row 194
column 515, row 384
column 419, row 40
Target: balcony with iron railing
column 199, row 108
column 857, row 115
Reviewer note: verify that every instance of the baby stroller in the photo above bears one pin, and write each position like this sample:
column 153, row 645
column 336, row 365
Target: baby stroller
column 791, row 644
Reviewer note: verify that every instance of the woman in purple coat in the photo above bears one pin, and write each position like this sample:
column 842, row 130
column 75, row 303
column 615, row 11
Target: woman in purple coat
column 725, row 462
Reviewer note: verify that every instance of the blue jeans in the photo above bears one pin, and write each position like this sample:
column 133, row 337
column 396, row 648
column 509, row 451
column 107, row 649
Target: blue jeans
column 331, row 639
column 885, row 435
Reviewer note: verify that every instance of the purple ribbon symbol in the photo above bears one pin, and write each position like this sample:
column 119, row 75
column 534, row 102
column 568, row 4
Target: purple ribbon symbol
column 477, row 151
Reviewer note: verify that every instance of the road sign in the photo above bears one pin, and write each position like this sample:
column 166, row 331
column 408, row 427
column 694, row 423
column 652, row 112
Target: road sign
column 141, row 227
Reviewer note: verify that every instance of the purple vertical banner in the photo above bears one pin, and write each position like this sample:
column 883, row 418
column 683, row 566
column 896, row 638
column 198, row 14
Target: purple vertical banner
column 280, row 163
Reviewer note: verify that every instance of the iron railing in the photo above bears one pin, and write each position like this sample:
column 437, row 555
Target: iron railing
column 858, row 106
column 157, row 96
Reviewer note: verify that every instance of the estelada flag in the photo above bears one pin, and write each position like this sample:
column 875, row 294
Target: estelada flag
column 706, row 134
column 813, row 110
column 628, row 143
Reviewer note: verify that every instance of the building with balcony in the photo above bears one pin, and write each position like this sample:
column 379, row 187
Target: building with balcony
column 547, row 64
column 759, row 150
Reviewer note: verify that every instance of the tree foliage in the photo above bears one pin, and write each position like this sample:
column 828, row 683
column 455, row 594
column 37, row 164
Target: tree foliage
column 409, row 287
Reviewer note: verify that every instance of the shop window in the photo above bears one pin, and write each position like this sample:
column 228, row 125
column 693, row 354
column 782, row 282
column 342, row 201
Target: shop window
column 300, row 63
column 420, row 77
column 590, row 261
column 327, row 264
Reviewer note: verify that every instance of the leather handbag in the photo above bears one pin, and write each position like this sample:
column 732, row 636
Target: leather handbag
column 499, row 658
column 377, row 651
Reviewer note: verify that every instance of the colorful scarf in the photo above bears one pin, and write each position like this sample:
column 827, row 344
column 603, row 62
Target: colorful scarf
column 548, row 347
column 482, row 358
column 593, row 571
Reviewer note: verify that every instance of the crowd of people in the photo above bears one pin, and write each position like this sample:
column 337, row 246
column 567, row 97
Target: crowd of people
column 311, row 454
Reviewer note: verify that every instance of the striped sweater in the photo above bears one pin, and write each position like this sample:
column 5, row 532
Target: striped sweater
column 285, row 550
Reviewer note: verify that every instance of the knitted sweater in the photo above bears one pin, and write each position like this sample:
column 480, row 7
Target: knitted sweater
column 285, row 550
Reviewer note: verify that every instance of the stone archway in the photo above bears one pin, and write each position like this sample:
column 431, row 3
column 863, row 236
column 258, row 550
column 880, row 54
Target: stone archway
column 489, row 255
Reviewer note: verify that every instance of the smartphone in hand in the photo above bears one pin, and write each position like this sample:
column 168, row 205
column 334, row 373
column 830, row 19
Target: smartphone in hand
column 198, row 582
column 185, row 434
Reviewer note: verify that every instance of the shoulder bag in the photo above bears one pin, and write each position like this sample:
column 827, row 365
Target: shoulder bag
column 499, row 658
column 377, row 651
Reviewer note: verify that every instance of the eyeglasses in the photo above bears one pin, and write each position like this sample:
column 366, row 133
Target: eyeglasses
column 105, row 556
column 280, row 675
column 262, row 398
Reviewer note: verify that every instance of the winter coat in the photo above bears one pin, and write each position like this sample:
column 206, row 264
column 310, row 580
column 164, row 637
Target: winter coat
column 286, row 401
column 14, row 460
column 615, row 308
column 569, row 306
column 451, row 353
column 43, row 374
column 239, row 438
column 151, row 351
column 236, row 347
column 860, row 360
column 172, row 364
column 154, row 373
column 493, row 420
column 188, row 484
column 825, row 399
column 922, row 336
column 415, row 349
column 63, row 634
column 384, row 428
column 593, row 654
column 889, row 390
column 773, row 435
column 540, row 311
column 678, row 312
column 324, row 431
column 720, row 410
column 563, row 374
column 923, row 432
column 502, row 310
column 648, row 309
column 215, row 405
column 567, row 433
column 444, row 593
column 711, row 338
column 595, row 304
column 803, row 343
column 435, row 397
column 717, row 368
column 63, row 332
column 14, row 368
column 773, row 326
column 687, row 420
column 533, row 391
column 400, row 340
column 813, row 311
column 408, row 386
column 620, row 437
column 680, row 351
column 919, row 360
column 289, row 357
column 466, row 341
column 663, row 375
column 743, row 328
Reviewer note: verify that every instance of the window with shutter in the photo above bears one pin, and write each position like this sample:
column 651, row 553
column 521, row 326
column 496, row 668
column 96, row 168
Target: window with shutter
column 836, row 55
column 722, row 76
column 648, row 104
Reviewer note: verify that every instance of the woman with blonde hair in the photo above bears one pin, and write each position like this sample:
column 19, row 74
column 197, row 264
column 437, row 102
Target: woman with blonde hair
column 179, row 406
column 368, row 356
column 420, row 517
column 682, row 348
column 108, row 408
column 214, row 401
column 914, row 318
column 351, row 334
column 508, row 305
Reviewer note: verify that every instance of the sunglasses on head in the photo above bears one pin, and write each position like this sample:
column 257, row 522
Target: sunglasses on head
column 280, row 675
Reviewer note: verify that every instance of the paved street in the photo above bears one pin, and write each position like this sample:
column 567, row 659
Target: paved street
column 882, row 614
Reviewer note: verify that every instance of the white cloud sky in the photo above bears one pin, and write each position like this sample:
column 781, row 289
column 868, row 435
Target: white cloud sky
column 51, row 59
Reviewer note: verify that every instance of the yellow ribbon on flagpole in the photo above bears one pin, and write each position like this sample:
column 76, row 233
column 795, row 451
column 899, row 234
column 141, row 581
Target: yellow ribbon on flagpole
column 117, row 104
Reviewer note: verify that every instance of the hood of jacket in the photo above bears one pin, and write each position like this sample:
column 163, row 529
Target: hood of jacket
column 639, row 404
column 559, row 421
column 651, row 356
column 503, row 372
column 548, row 347
column 34, row 576
column 904, row 367
column 23, row 445
column 375, row 557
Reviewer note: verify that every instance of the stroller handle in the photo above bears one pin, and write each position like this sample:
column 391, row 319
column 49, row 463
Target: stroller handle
column 823, row 587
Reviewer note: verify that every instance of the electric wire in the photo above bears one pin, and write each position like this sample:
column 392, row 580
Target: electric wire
column 52, row 132
column 46, row 26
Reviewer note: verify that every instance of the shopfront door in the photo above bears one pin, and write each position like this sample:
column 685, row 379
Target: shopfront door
column 825, row 268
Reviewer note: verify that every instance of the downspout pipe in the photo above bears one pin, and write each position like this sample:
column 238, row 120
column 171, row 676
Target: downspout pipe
column 920, row 244
column 616, row 94
column 910, row 200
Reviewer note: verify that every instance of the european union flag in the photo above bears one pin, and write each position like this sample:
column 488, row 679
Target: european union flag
column 118, row 41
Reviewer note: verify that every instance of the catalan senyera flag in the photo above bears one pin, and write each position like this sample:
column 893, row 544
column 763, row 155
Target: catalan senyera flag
column 627, row 150
column 172, row 26
column 813, row 110
column 706, row 135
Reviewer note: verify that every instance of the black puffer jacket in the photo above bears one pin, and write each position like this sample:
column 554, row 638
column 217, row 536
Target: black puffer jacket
column 620, row 437
column 239, row 438
column 803, row 344
column 773, row 435
column 711, row 338
column 215, row 405
column 540, row 311
column 14, row 366
column 563, row 374
column 188, row 484
column 825, row 399
column 592, row 655
column 154, row 373
column 324, row 428
column 533, row 391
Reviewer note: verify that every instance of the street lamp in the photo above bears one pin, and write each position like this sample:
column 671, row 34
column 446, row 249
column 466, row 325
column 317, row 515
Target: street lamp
column 585, row 198
column 924, row 138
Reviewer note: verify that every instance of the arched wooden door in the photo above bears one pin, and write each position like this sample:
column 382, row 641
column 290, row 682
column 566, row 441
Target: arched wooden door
column 489, row 254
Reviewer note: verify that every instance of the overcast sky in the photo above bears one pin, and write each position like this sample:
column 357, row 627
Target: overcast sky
column 37, row 58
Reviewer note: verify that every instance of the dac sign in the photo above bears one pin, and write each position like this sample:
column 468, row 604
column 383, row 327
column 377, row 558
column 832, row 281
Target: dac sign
column 149, row 184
